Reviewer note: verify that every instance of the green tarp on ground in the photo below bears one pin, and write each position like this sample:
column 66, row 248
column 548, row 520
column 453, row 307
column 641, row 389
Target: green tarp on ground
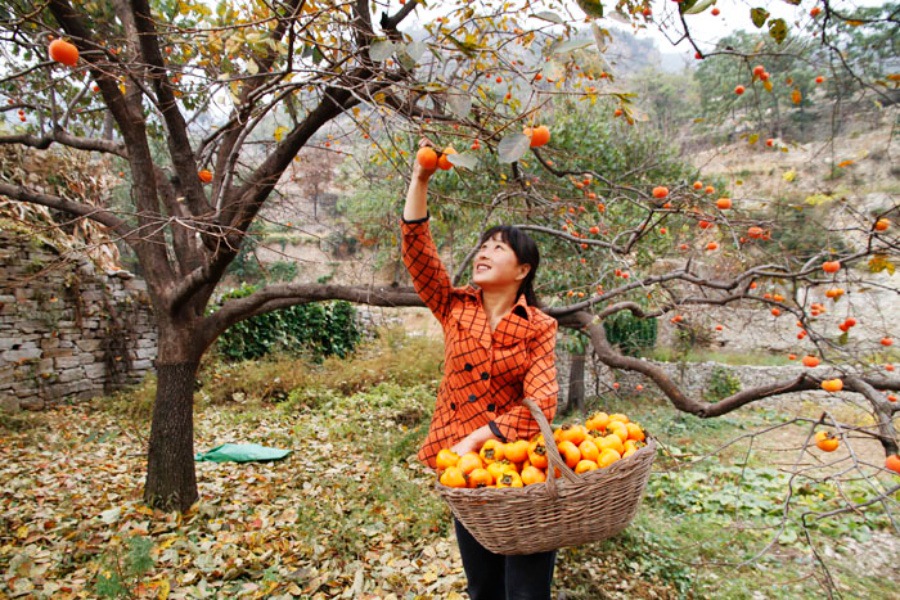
column 241, row 453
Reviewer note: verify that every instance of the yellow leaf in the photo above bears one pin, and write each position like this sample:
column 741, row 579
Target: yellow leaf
column 789, row 176
column 879, row 263
column 817, row 199
column 164, row 588
column 22, row 532
column 279, row 133
column 753, row 138
column 166, row 543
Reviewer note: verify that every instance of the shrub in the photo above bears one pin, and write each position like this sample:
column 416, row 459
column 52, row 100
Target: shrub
column 629, row 332
column 721, row 384
column 319, row 330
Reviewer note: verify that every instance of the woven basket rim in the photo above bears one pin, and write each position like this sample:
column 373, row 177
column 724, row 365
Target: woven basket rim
column 589, row 478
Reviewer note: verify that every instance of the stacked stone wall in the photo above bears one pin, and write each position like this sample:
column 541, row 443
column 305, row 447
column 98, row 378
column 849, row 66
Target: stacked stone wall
column 68, row 330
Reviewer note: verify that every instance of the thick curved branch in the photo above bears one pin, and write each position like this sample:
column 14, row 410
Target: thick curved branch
column 290, row 294
column 60, row 136
column 591, row 325
column 884, row 410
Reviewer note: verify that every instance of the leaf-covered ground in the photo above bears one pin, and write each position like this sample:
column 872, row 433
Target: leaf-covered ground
column 349, row 514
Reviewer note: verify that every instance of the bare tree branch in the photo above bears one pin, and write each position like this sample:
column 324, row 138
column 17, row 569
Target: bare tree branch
column 100, row 215
column 127, row 111
column 60, row 136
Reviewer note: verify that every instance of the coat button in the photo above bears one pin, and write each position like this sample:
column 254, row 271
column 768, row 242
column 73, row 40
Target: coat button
column 468, row 367
column 472, row 397
column 453, row 406
column 491, row 407
column 485, row 375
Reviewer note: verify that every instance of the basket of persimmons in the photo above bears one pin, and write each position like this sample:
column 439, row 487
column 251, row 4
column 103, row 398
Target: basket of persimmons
column 579, row 483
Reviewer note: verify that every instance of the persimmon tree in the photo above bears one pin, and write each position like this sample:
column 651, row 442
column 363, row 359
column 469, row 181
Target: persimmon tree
column 208, row 107
column 626, row 226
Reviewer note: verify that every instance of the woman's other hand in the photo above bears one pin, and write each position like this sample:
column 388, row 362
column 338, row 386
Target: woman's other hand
column 474, row 441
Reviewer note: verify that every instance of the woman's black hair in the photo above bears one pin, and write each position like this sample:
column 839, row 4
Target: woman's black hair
column 526, row 251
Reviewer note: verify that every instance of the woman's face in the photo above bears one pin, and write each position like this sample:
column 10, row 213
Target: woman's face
column 496, row 265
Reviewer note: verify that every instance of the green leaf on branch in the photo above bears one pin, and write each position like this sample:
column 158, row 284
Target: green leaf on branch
column 778, row 30
column 513, row 147
column 466, row 161
column 552, row 71
column 415, row 50
column 685, row 6
column 698, row 8
column 759, row 16
column 546, row 15
column 382, row 50
column 571, row 46
column 406, row 60
column 592, row 8
column 459, row 105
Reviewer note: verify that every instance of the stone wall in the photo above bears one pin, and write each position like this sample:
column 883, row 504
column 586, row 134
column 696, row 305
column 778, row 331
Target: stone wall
column 68, row 330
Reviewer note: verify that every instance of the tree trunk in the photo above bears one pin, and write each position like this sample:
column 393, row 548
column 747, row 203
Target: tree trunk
column 171, row 478
column 576, row 381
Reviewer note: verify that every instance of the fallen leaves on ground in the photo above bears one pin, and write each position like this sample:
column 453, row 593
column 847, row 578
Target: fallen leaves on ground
column 307, row 526
column 350, row 513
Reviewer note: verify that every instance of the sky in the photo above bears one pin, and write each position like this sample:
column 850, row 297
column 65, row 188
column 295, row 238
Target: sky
column 734, row 15
column 705, row 28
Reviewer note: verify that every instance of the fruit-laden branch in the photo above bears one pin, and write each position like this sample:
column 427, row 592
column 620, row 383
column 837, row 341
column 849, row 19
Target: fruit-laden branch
column 127, row 110
column 278, row 296
column 60, row 136
column 95, row 213
column 588, row 323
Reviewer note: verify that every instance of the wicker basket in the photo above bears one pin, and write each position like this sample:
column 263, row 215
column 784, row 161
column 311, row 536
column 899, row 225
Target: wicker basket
column 568, row 511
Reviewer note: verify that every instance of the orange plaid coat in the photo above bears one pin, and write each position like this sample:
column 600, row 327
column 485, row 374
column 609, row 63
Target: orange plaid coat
column 486, row 374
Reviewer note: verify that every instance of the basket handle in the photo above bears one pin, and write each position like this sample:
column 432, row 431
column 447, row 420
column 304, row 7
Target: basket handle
column 553, row 457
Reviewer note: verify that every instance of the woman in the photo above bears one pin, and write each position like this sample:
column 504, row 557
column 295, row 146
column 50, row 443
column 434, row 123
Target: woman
column 499, row 349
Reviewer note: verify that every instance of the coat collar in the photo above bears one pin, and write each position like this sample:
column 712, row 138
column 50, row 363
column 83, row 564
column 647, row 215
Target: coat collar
column 513, row 328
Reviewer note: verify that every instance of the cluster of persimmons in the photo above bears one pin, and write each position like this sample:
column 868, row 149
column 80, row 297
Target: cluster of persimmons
column 599, row 442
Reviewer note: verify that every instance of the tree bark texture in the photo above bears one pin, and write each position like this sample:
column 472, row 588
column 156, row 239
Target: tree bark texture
column 171, row 477
column 576, row 381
